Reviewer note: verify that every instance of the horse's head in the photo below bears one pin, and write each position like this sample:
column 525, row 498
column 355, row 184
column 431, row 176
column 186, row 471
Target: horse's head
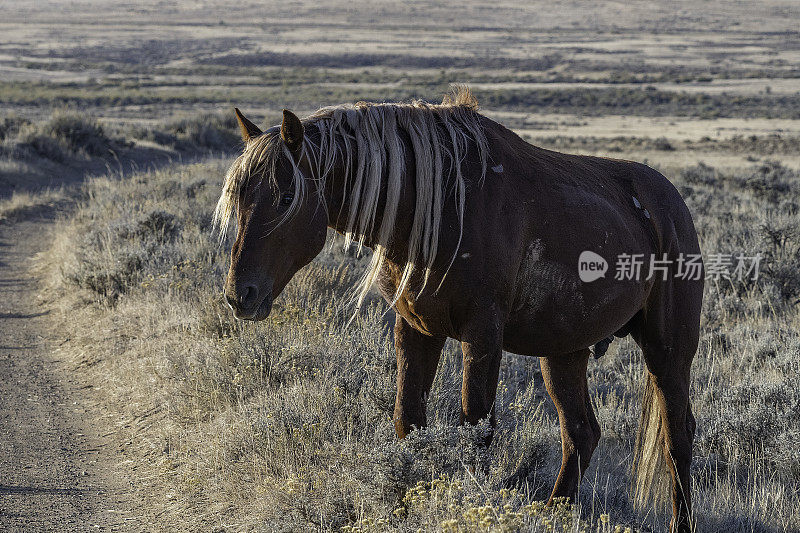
column 281, row 221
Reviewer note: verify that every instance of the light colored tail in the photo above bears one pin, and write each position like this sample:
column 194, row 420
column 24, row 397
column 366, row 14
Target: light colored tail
column 650, row 476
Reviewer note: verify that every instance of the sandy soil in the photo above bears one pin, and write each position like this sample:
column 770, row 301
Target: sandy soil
column 60, row 467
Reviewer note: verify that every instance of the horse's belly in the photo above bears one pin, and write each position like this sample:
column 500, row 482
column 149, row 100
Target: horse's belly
column 556, row 313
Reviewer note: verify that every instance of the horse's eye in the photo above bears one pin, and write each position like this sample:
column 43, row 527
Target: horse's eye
column 286, row 198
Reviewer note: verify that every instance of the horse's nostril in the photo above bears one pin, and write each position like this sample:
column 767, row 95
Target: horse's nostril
column 247, row 296
column 243, row 298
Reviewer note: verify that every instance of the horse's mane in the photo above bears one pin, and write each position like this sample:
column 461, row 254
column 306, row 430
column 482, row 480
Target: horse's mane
column 366, row 139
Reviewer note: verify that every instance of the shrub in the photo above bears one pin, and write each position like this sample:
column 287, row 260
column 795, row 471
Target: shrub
column 771, row 181
column 80, row 134
column 10, row 126
column 700, row 174
column 30, row 141
column 205, row 132
column 210, row 131
column 780, row 237
column 65, row 135
column 663, row 144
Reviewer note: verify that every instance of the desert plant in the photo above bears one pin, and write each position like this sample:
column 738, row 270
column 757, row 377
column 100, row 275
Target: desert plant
column 288, row 421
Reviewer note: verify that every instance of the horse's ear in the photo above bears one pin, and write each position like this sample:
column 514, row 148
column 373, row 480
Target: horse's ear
column 292, row 131
column 248, row 129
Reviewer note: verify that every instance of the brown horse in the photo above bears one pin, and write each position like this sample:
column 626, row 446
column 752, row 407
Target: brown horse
column 477, row 236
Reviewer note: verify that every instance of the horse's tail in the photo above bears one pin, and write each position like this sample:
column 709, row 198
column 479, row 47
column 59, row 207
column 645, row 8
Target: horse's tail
column 650, row 478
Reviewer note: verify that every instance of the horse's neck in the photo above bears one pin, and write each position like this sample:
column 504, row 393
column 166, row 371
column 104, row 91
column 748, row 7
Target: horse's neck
column 339, row 200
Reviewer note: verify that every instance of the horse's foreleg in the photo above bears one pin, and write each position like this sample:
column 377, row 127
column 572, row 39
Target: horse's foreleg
column 565, row 379
column 479, row 381
column 417, row 359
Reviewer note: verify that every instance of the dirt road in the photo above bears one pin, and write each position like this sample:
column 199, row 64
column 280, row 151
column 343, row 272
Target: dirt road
column 59, row 467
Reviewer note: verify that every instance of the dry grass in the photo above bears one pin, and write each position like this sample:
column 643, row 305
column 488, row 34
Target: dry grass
column 286, row 424
column 22, row 204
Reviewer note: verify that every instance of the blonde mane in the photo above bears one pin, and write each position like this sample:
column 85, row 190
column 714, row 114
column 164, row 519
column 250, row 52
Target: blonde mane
column 365, row 138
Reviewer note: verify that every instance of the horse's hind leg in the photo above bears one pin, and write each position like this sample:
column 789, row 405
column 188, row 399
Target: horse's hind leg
column 668, row 337
column 565, row 379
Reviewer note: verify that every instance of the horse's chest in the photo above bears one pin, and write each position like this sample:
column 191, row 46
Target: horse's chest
column 418, row 316
column 425, row 313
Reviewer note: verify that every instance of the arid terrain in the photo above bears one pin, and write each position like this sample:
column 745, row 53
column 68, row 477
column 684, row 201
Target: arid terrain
column 131, row 400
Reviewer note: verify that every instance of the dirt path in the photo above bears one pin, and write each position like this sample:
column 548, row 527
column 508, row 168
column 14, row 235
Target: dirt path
column 58, row 463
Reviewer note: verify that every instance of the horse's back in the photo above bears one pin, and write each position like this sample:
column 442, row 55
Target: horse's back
column 619, row 183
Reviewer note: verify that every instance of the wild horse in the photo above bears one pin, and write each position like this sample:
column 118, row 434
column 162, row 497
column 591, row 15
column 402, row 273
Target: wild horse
column 477, row 236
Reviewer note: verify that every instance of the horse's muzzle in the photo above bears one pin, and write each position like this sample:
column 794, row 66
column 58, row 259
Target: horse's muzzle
column 249, row 303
